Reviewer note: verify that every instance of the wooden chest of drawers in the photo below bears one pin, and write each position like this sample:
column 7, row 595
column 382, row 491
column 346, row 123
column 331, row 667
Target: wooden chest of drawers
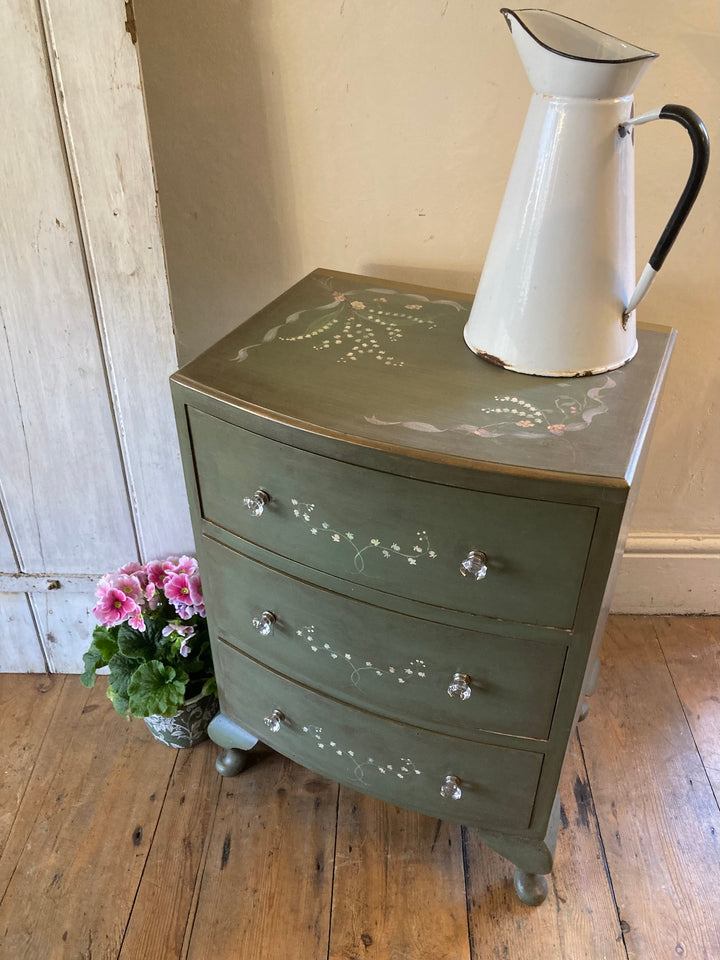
column 408, row 554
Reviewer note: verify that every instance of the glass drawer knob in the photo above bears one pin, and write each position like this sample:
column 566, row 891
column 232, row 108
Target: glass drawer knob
column 256, row 503
column 264, row 623
column 460, row 688
column 475, row 565
column 274, row 721
column 451, row 789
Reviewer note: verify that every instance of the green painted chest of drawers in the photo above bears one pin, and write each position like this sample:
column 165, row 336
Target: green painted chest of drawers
column 408, row 554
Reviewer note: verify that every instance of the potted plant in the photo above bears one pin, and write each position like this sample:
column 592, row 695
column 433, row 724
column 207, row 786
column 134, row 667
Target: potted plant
column 153, row 637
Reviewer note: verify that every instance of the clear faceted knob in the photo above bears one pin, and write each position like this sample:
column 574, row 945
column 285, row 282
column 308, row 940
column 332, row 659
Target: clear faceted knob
column 460, row 688
column 475, row 565
column 256, row 503
column 274, row 721
column 264, row 623
column 451, row 789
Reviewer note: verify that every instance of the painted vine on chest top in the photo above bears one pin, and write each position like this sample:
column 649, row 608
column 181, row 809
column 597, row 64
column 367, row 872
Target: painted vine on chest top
column 372, row 324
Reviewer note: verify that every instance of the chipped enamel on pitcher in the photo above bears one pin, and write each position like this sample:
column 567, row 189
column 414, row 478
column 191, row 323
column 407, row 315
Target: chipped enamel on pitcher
column 558, row 293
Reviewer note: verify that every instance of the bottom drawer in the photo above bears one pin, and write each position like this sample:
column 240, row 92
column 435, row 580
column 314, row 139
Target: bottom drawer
column 402, row 764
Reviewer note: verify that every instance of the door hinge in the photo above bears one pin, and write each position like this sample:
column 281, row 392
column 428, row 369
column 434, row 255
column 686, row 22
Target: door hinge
column 130, row 20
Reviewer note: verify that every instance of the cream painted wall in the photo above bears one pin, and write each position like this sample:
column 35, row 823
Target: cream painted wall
column 375, row 136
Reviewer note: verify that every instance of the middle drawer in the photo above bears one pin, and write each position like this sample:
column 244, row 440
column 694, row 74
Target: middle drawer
column 387, row 662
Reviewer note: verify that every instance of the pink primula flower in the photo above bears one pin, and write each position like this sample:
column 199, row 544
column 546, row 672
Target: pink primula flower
column 188, row 565
column 196, row 596
column 114, row 607
column 130, row 586
column 177, row 588
column 135, row 570
column 183, row 631
column 183, row 588
column 134, row 591
column 104, row 584
column 185, row 593
column 187, row 611
column 152, row 596
column 157, row 570
column 186, row 632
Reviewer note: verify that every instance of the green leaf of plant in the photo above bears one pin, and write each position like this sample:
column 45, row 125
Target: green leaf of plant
column 193, row 666
column 156, row 688
column 121, row 672
column 135, row 644
column 93, row 660
column 105, row 641
column 153, row 630
column 118, row 701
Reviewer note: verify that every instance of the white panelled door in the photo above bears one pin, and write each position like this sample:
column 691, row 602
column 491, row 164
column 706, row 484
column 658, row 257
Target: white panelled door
column 90, row 473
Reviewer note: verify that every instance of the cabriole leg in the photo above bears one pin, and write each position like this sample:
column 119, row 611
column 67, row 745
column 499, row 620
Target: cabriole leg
column 532, row 857
column 231, row 761
column 531, row 888
column 235, row 743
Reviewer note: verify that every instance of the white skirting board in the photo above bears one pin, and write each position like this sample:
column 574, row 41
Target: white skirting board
column 669, row 573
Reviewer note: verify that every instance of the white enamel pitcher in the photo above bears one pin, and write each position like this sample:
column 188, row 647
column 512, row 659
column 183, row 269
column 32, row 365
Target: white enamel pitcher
column 557, row 295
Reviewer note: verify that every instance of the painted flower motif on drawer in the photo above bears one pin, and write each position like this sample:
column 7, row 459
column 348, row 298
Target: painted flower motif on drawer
column 360, row 325
column 403, row 769
column 419, row 551
column 415, row 669
column 558, row 415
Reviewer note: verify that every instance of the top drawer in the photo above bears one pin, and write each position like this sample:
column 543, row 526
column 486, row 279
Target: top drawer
column 401, row 536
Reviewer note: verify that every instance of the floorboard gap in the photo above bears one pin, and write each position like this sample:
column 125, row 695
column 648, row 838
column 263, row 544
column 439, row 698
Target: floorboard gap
column 685, row 714
column 468, row 906
column 34, row 764
column 606, row 865
column 190, row 925
column 150, row 845
column 332, row 882
column 40, row 805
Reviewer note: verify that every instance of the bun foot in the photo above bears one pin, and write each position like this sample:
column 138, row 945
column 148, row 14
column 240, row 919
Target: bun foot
column 231, row 761
column 584, row 711
column 531, row 888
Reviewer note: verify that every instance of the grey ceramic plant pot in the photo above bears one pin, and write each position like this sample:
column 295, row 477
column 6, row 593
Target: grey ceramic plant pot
column 188, row 726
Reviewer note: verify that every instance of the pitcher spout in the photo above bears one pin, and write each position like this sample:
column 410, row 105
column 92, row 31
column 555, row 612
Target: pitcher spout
column 566, row 58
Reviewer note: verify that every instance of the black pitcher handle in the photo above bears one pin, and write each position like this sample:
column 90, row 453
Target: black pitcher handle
column 700, row 159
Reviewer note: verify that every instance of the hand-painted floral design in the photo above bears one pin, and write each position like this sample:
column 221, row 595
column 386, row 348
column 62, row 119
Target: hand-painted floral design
column 415, row 669
column 404, row 768
column 188, row 726
column 419, row 550
column 365, row 324
column 567, row 412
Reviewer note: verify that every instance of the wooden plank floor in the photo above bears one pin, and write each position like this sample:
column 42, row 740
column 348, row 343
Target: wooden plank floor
column 113, row 846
